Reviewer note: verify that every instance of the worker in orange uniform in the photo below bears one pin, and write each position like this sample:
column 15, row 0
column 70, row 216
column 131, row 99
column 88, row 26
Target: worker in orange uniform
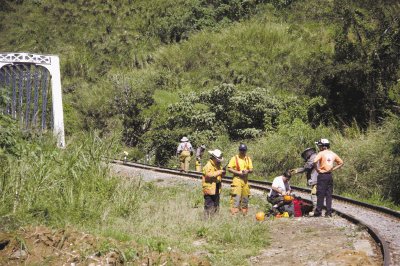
column 211, row 182
column 240, row 166
column 184, row 151
column 325, row 162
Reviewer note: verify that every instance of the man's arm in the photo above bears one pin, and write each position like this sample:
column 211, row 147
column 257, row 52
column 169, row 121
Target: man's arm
column 212, row 176
column 234, row 171
column 278, row 190
column 298, row 170
column 339, row 163
column 232, row 167
column 250, row 166
column 309, row 165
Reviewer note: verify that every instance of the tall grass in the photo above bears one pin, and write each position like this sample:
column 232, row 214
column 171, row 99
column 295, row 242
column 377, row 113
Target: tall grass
column 74, row 187
column 47, row 185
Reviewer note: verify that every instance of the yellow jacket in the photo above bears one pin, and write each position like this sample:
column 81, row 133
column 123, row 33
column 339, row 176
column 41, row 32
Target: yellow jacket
column 209, row 180
column 240, row 164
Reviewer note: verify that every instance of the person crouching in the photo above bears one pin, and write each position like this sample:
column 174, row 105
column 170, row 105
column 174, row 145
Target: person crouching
column 280, row 188
column 211, row 183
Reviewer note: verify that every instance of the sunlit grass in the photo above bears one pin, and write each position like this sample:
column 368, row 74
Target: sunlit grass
column 171, row 218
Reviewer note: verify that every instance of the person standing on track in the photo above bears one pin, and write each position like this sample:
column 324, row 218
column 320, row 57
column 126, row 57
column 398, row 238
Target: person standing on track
column 240, row 166
column 184, row 151
column 199, row 154
column 211, row 183
column 325, row 162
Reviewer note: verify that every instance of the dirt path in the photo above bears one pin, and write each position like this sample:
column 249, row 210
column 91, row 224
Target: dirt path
column 318, row 241
column 295, row 241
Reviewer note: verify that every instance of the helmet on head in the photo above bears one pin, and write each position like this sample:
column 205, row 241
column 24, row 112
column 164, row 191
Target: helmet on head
column 242, row 147
column 184, row 139
column 323, row 142
column 203, row 146
column 260, row 216
column 217, row 154
column 307, row 153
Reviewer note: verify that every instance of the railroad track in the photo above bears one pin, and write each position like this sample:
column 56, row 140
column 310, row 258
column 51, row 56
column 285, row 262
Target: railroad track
column 382, row 224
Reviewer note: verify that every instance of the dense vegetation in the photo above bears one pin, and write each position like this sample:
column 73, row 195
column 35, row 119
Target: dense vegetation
column 41, row 184
column 276, row 74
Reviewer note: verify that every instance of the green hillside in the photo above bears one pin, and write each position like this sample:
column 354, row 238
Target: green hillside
column 276, row 74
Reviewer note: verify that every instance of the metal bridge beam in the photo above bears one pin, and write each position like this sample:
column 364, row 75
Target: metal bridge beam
column 52, row 64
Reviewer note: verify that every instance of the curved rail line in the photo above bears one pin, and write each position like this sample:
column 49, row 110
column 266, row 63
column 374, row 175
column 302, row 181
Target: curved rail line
column 387, row 251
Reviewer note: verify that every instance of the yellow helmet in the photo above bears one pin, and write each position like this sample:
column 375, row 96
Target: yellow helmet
column 285, row 215
column 260, row 216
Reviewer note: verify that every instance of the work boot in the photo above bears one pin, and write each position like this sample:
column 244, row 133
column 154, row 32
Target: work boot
column 316, row 214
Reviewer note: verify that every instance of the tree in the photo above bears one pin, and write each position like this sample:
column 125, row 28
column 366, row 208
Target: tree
column 365, row 64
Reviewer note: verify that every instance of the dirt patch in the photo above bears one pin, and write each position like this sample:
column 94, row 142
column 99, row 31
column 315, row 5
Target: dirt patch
column 316, row 241
column 41, row 245
column 350, row 257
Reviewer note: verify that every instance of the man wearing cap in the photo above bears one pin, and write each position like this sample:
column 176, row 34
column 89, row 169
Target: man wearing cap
column 240, row 166
column 325, row 162
column 184, row 151
column 211, row 182
column 280, row 188
column 199, row 153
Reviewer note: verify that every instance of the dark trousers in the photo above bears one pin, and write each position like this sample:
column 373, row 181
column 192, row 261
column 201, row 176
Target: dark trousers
column 324, row 192
column 278, row 200
column 211, row 205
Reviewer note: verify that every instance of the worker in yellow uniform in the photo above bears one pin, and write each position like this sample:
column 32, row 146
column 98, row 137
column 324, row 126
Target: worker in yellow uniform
column 211, row 182
column 240, row 166
column 184, row 152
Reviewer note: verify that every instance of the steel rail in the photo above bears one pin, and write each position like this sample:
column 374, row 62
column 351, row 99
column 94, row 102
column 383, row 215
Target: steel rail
column 265, row 186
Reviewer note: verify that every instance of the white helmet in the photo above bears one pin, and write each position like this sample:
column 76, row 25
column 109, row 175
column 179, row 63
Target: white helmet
column 322, row 142
column 217, row 154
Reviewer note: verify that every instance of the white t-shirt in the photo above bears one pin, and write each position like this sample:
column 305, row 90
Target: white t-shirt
column 278, row 183
column 184, row 146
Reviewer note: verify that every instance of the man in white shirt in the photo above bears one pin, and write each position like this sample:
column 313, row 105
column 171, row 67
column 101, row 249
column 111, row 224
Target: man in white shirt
column 184, row 152
column 280, row 187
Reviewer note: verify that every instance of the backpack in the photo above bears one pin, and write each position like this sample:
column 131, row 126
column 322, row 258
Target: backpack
column 301, row 207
